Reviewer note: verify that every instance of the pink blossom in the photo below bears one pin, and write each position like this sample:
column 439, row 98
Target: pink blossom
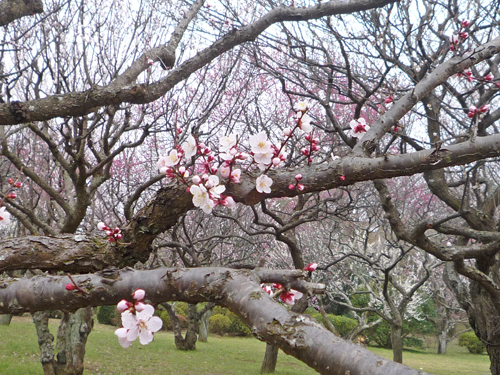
column 225, row 171
column 69, row 287
column 263, row 184
column 236, row 176
column 143, row 325
column 228, row 202
column 259, row 143
column 290, row 296
column 298, row 177
column 139, row 294
column 358, row 128
column 305, row 123
column 301, row 106
column 388, row 100
column 287, row 132
column 311, row 267
column 267, row 289
column 276, row 161
column 291, row 187
column 300, row 187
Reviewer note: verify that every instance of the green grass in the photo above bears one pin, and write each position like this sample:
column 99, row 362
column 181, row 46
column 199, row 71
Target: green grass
column 19, row 355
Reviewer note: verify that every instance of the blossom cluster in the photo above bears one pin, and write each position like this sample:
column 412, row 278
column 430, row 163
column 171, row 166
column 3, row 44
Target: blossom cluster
column 4, row 214
column 206, row 173
column 138, row 320
column 112, row 234
column 287, row 296
column 460, row 36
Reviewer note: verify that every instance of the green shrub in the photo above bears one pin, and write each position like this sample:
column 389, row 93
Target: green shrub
column 219, row 324
column 237, row 327
column 471, row 342
column 108, row 315
column 343, row 324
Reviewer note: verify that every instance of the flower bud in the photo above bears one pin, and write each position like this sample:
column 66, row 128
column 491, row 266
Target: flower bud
column 388, row 100
column 485, row 108
column 196, row 179
column 287, row 132
column 18, row 184
column 123, row 305
column 179, row 131
column 139, row 306
column 102, row 226
column 291, row 187
column 10, row 181
column 465, row 23
column 139, row 294
column 118, row 236
column 311, row 267
column 298, row 177
column 305, row 151
column 70, row 287
column 300, row 187
column 488, row 77
column 342, row 178
column 12, row 196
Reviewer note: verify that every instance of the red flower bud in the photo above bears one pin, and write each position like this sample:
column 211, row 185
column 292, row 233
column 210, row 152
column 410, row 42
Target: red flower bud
column 12, row 196
column 305, row 151
column 291, row 187
column 342, row 178
column 70, row 287
column 11, row 181
column 388, row 100
column 18, row 184
column 465, row 23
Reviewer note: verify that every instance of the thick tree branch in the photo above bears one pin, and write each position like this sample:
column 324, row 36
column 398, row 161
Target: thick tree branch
column 238, row 290
column 82, row 103
column 171, row 202
column 11, row 10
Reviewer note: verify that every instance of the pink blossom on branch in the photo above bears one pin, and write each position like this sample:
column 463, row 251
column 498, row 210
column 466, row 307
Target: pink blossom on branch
column 263, row 184
column 358, row 128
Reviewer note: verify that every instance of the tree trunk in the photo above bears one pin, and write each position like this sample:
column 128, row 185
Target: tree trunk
column 189, row 341
column 270, row 359
column 442, row 342
column 485, row 320
column 45, row 341
column 397, row 342
column 203, row 326
column 71, row 339
column 5, row 319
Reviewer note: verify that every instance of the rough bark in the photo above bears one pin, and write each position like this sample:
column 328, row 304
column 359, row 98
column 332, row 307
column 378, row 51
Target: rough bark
column 74, row 329
column 238, row 290
column 45, row 341
column 71, row 340
column 11, row 10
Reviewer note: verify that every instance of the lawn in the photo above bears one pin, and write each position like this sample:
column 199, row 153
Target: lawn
column 221, row 355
